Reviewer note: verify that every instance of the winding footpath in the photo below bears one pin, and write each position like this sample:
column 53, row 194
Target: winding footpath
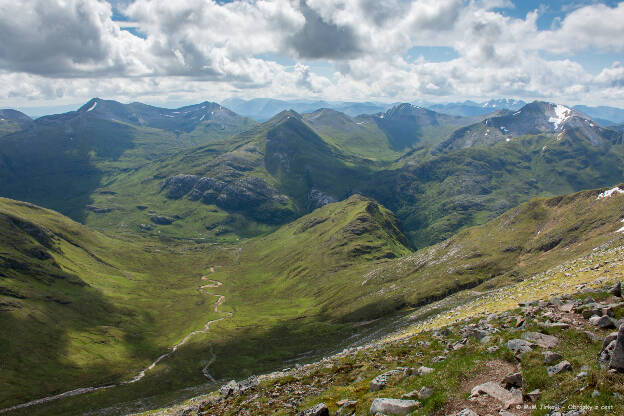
column 141, row 374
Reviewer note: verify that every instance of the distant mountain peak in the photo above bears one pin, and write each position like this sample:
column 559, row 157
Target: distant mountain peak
column 537, row 117
column 284, row 115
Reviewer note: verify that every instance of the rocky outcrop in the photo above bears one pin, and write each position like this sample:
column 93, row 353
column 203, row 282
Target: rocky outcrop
column 317, row 199
column 234, row 387
column 161, row 219
column 179, row 185
column 248, row 194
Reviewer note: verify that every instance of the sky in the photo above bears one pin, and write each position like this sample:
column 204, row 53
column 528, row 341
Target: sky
column 59, row 53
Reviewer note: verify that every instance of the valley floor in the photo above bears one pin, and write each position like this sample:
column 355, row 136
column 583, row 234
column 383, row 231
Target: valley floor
column 455, row 354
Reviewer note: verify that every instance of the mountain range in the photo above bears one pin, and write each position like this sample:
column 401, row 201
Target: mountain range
column 149, row 254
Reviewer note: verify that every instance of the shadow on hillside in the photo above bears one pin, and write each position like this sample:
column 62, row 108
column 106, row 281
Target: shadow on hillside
column 55, row 164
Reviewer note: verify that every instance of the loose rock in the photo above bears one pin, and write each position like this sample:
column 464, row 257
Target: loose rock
column 513, row 380
column 393, row 406
column 559, row 368
column 519, row 346
column 381, row 380
column 492, row 389
column 543, row 340
column 318, row 410
column 602, row 321
column 551, row 357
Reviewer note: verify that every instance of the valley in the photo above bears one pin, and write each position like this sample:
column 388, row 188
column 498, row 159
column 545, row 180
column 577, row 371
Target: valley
column 195, row 246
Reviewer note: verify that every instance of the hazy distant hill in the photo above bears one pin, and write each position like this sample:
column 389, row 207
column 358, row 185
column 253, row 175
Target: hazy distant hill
column 262, row 109
column 471, row 108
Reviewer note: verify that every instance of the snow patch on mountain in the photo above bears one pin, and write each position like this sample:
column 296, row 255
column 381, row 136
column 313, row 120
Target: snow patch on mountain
column 562, row 113
column 610, row 192
column 93, row 106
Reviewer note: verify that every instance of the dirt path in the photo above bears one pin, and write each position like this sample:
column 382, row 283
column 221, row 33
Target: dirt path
column 141, row 374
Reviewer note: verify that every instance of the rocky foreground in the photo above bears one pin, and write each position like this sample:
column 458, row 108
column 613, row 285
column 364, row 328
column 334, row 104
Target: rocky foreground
column 562, row 356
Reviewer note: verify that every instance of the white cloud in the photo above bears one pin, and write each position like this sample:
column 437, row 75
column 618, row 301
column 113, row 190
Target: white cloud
column 596, row 26
column 56, row 50
column 66, row 39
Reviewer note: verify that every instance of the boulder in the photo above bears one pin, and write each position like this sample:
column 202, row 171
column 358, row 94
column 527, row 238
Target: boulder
column 318, row 410
column 602, row 321
column 248, row 383
column 519, row 346
column 393, row 406
column 543, row 340
column 559, row 368
column 589, row 310
column 495, row 390
column 617, row 356
column 566, row 307
column 513, row 380
column 475, row 333
column 424, row 370
column 346, row 407
column 381, row 380
column 551, row 357
column 559, row 325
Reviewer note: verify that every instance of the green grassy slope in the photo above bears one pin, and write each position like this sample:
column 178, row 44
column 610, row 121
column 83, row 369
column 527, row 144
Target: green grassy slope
column 296, row 293
column 439, row 195
column 543, row 248
column 78, row 308
column 355, row 136
column 95, row 310
column 523, row 241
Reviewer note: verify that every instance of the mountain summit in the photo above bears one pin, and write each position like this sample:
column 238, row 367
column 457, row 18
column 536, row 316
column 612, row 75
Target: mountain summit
column 535, row 118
